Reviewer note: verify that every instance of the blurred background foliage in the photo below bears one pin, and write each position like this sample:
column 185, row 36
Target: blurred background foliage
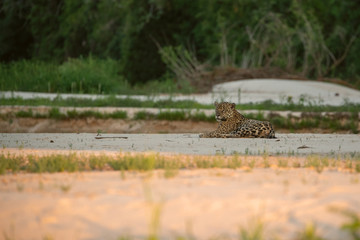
column 104, row 45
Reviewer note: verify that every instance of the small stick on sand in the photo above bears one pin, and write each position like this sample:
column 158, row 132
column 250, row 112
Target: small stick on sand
column 111, row 137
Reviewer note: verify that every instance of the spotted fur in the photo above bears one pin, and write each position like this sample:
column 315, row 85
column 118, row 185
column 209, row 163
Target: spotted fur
column 233, row 124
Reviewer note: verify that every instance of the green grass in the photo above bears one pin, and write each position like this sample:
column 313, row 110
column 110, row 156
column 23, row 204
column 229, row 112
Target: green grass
column 10, row 163
column 74, row 76
column 95, row 114
column 255, row 231
column 171, row 165
column 332, row 123
column 107, row 101
column 81, row 75
column 54, row 113
column 24, row 114
column 55, row 163
column 309, row 233
column 144, row 115
column 112, row 101
column 329, row 123
column 353, row 225
column 175, row 116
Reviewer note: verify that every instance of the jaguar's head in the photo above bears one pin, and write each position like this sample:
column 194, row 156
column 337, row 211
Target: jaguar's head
column 224, row 111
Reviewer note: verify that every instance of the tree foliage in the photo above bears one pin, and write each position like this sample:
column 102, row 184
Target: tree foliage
column 313, row 38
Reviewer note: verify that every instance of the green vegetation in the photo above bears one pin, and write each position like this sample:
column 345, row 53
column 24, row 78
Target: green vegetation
column 55, row 113
column 112, row 101
column 75, row 76
column 148, row 162
column 83, row 75
column 106, row 46
column 332, row 122
column 353, row 225
column 175, row 116
column 253, row 232
column 108, row 101
column 336, row 122
column 309, row 233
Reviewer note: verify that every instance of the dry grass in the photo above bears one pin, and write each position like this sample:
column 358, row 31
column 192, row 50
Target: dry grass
column 17, row 161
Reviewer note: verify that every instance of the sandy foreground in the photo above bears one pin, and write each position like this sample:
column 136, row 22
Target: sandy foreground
column 199, row 203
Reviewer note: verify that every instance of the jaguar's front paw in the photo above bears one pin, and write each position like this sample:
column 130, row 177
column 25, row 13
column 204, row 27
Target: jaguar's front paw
column 202, row 135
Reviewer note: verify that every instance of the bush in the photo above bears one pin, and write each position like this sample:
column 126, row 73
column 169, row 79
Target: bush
column 146, row 40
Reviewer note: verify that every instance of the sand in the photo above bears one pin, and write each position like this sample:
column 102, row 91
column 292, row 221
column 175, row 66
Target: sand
column 293, row 144
column 196, row 203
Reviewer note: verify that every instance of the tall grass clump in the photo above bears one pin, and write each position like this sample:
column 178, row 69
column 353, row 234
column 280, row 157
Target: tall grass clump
column 78, row 75
column 56, row 114
column 81, row 75
column 11, row 163
column 353, row 225
column 128, row 162
column 144, row 115
column 90, row 75
column 89, row 113
column 172, row 116
column 201, row 116
column 26, row 75
column 253, row 232
column 309, row 233
column 54, row 163
column 24, row 114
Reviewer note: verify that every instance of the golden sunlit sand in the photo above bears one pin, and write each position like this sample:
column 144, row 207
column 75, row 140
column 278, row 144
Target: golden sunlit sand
column 280, row 196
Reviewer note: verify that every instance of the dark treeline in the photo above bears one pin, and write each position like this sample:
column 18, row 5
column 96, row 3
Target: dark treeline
column 149, row 38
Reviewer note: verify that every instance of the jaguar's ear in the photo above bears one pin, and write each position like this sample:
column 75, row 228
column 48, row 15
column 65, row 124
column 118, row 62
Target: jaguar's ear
column 233, row 105
column 215, row 104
